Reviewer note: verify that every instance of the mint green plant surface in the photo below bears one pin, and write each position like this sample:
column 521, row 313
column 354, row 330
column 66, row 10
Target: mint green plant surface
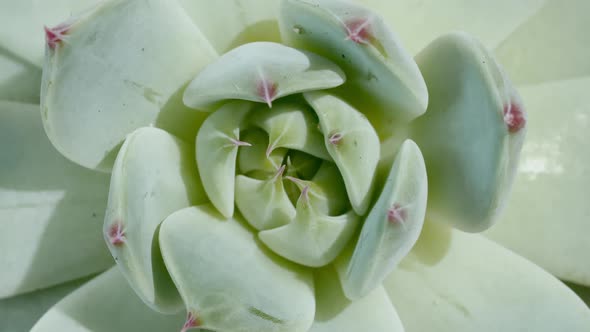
column 294, row 165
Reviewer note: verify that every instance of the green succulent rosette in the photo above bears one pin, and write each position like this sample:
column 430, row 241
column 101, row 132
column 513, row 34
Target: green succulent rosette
column 307, row 174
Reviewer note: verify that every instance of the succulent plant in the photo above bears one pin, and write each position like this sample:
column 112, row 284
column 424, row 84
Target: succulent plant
column 301, row 171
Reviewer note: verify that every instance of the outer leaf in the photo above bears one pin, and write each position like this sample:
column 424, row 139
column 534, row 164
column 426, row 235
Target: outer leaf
column 382, row 76
column 420, row 22
column 228, row 281
column 471, row 135
column 20, row 313
column 231, row 23
column 353, row 144
column 467, row 283
column 22, row 22
column 261, row 72
column 391, row 228
column 334, row 312
column 217, row 149
column 112, row 61
column 19, row 80
column 51, row 210
column 548, row 216
column 105, row 304
column 550, row 45
column 153, row 176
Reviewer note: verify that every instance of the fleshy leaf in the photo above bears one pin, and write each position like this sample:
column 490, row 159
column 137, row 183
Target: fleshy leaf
column 104, row 79
column 51, row 210
column 418, row 23
column 334, row 312
column 22, row 23
column 391, row 228
column 538, row 50
column 228, row 281
column 230, row 23
column 261, row 72
column 255, row 158
column 217, row 146
column 471, row 135
column 264, row 203
column 20, row 313
column 353, row 144
column 382, row 76
column 291, row 126
column 468, row 283
column 154, row 175
column 19, row 80
column 547, row 217
column 105, row 304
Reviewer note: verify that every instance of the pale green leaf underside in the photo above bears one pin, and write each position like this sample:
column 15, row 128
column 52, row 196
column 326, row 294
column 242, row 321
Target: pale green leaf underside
column 336, row 313
column 124, row 62
column 356, row 153
column 154, row 175
column 470, row 155
column 51, row 210
column 467, row 283
column 385, row 239
column 261, row 72
column 228, row 280
column 105, row 304
column 217, row 150
column 549, row 201
column 378, row 69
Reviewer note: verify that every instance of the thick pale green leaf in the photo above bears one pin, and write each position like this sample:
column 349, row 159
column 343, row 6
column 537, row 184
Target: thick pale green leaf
column 22, row 22
column 380, row 74
column 353, row 144
column 19, row 80
column 105, row 304
column 119, row 68
column 154, row 175
column 455, row 282
column 51, row 210
column 390, row 229
column 548, row 216
column 264, row 203
column 21, row 312
column 551, row 45
column 231, row 23
column 336, row 313
column 291, row 126
column 228, row 281
column 420, row 22
column 471, row 135
column 261, row 72
column 582, row 291
column 217, row 146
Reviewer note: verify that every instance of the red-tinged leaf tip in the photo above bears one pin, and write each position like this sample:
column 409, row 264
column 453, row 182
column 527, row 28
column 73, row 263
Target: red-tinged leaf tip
column 237, row 143
column 192, row 321
column 514, row 117
column 396, row 214
column 335, row 138
column 117, row 234
column 359, row 30
column 280, row 172
column 266, row 90
column 54, row 36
